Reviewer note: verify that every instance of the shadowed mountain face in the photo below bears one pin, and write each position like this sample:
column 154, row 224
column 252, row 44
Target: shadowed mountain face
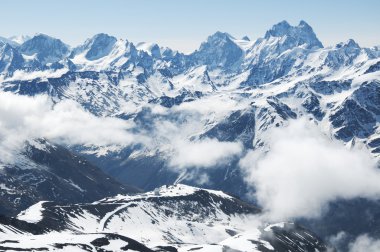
column 43, row 171
column 44, row 49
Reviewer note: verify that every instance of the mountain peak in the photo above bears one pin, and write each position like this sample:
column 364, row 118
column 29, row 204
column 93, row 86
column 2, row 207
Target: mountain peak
column 48, row 49
column 278, row 30
column 220, row 36
column 302, row 34
column 246, row 38
column 348, row 44
column 99, row 45
column 152, row 49
column 219, row 50
column 42, row 36
column 103, row 36
column 304, row 24
column 100, row 39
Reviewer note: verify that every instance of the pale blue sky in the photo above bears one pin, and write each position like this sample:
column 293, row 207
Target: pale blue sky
column 184, row 24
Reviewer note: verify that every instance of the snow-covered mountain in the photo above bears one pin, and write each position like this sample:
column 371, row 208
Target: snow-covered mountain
column 170, row 218
column 44, row 171
column 230, row 92
column 44, row 50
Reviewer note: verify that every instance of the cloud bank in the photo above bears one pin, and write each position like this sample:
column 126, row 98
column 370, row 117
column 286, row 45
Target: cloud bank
column 364, row 243
column 203, row 153
column 24, row 118
column 184, row 152
column 304, row 171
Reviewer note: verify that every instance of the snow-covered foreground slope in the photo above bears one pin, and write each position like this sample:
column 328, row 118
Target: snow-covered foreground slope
column 72, row 243
column 169, row 218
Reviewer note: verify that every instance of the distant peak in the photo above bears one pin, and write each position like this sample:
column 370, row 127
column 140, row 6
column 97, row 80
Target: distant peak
column 246, row 38
column 217, row 39
column 101, row 39
column 278, row 30
column 220, row 50
column 352, row 43
column 155, row 46
column 152, row 49
column 103, row 36
column 302, row 34
column 46, row 48
column 98, row 46
column 42, row 36
column 220, row 35
column 304, row 24
column 348, row 44
column 283, row 23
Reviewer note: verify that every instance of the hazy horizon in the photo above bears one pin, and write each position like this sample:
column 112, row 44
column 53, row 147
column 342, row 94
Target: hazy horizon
column 183, row 26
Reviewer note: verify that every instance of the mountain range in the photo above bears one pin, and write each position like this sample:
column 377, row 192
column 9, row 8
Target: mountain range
column 192, row 117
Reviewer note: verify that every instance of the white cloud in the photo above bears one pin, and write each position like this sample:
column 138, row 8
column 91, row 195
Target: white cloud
column 203, row 153
column 364, row 243
column 218, row 105
column 25, row 75
column 304, row 171
column 24, row 118
column 338, row 241
column 173, row 139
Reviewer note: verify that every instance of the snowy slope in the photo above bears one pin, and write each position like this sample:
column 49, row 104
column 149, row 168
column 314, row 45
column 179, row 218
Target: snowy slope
column 72, row 242
column 166, row 219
